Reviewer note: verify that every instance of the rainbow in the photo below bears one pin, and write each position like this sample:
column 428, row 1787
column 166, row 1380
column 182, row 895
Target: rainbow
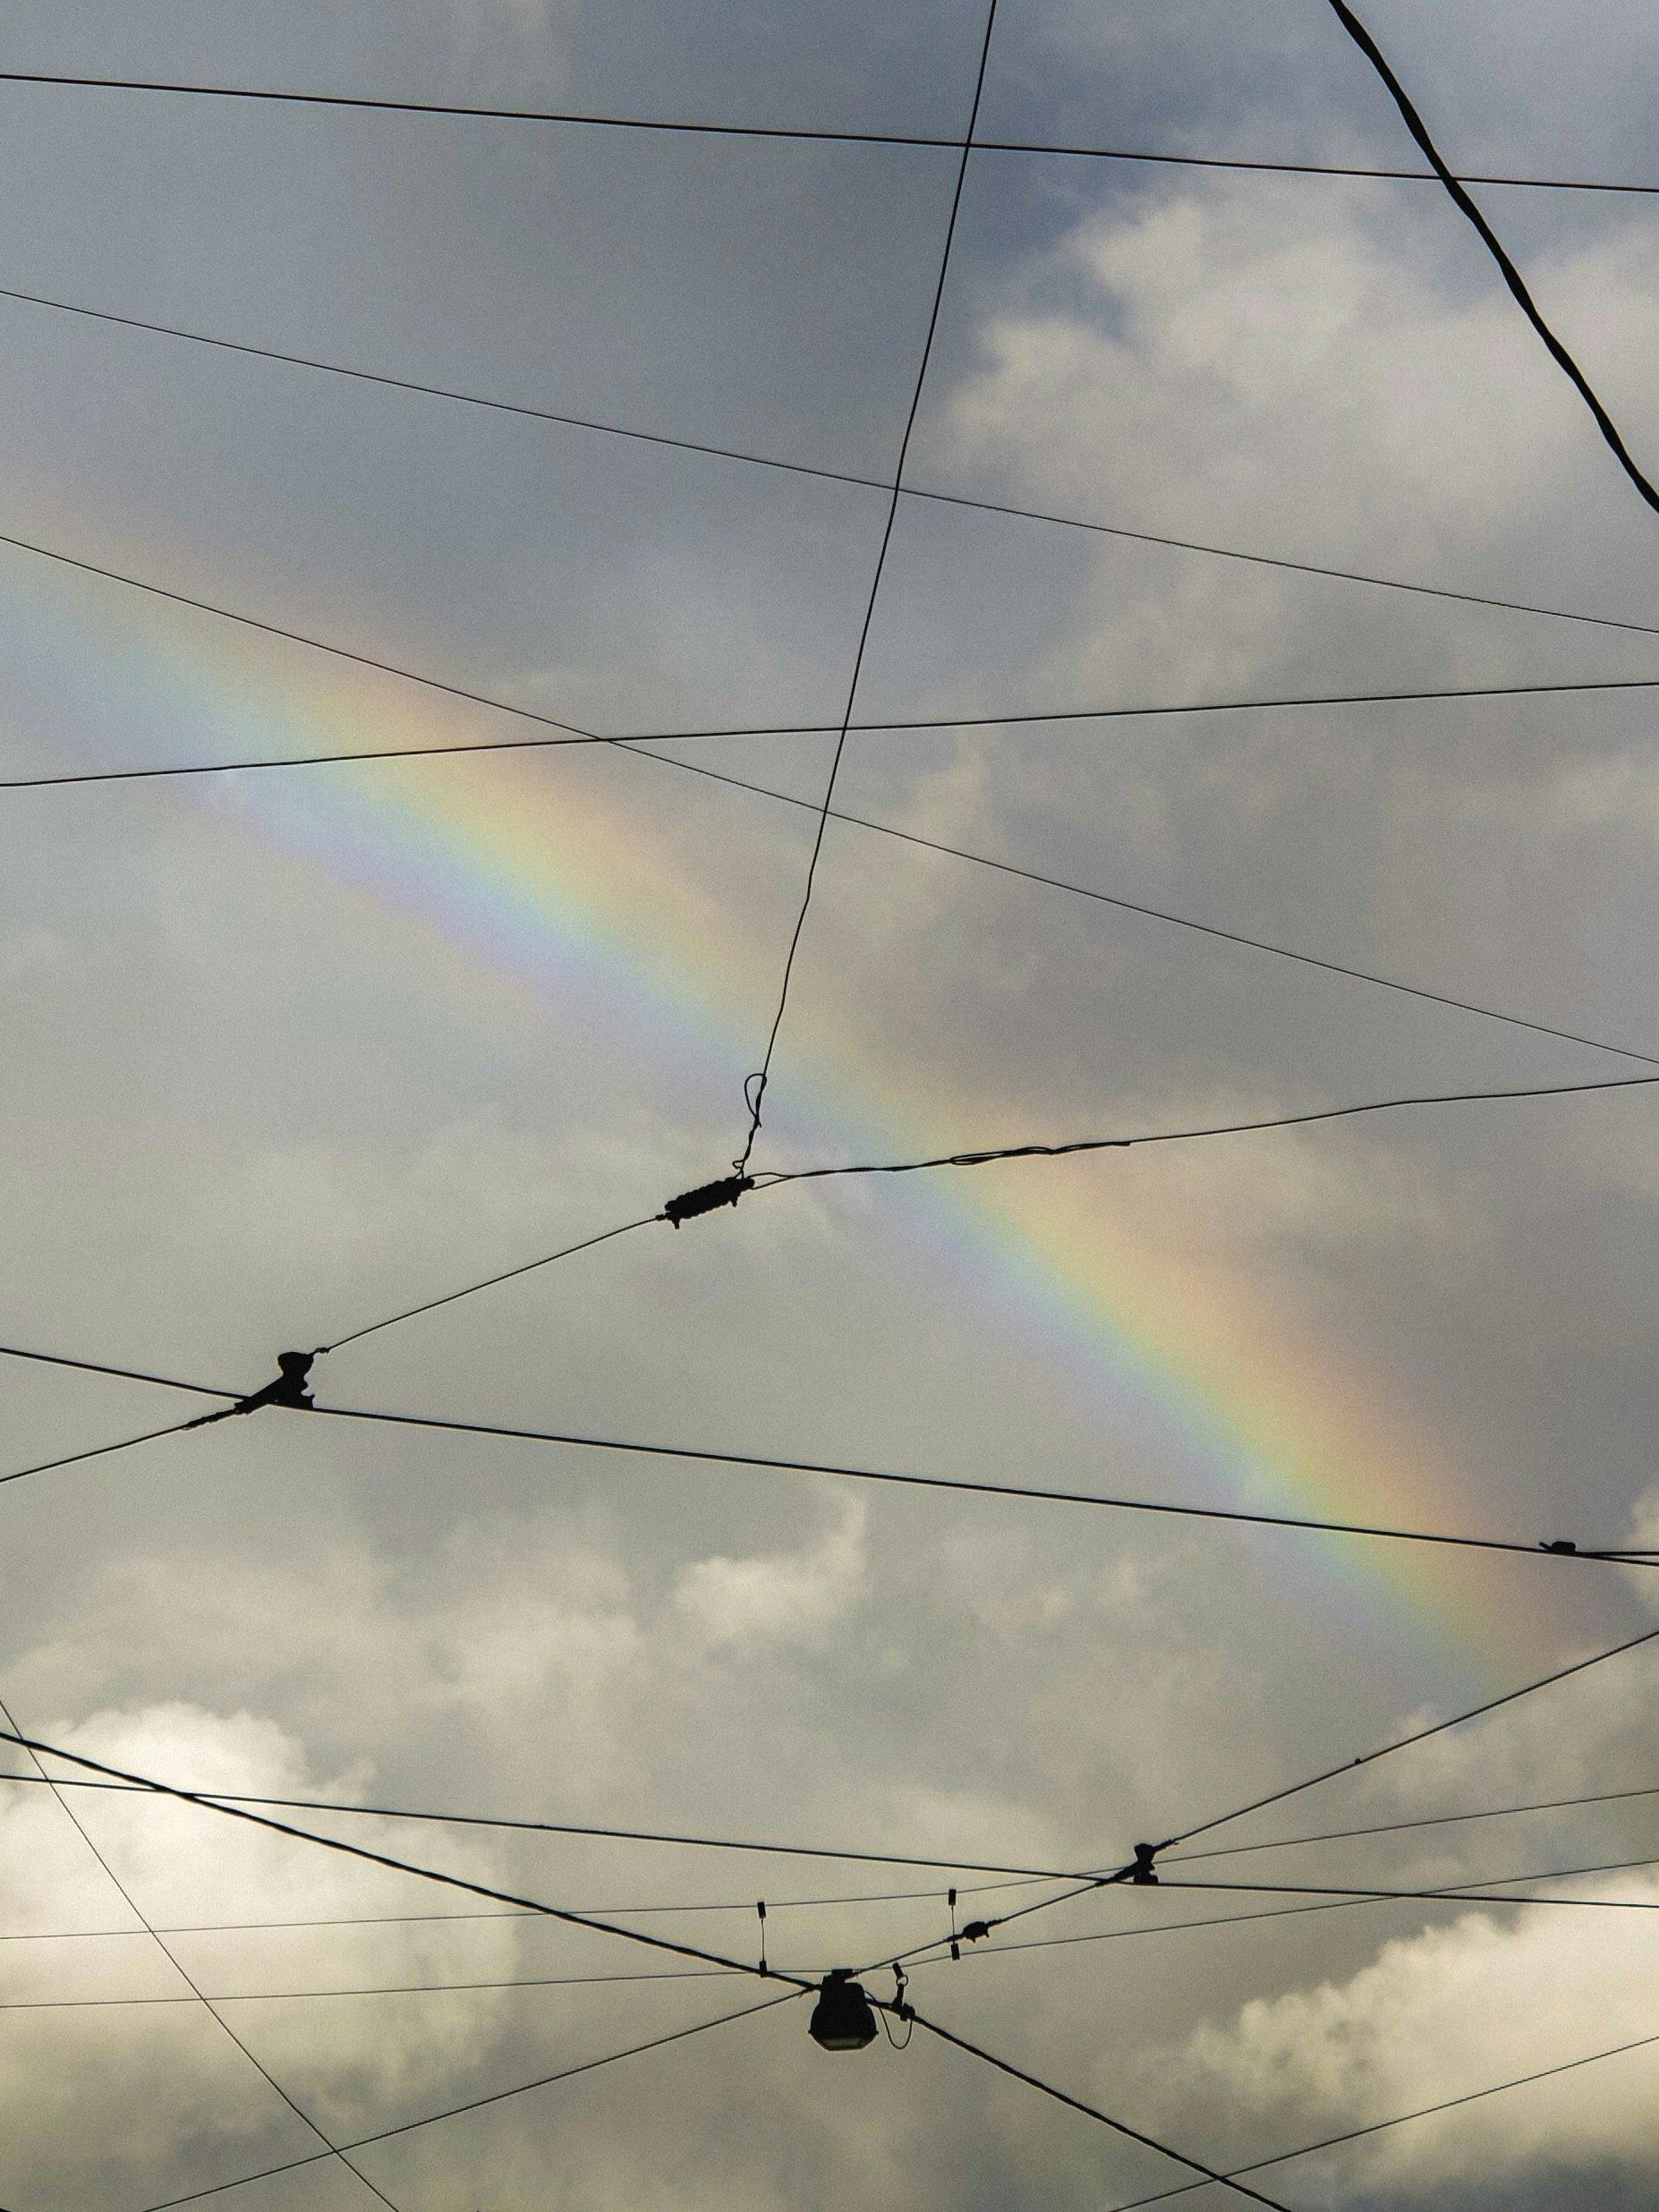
column 525, row 864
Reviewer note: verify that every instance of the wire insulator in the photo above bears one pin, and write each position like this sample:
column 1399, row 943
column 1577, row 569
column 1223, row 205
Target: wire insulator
column 706, row 1197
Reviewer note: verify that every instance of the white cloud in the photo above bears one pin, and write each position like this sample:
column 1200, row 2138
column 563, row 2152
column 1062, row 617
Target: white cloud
column 779, row 1595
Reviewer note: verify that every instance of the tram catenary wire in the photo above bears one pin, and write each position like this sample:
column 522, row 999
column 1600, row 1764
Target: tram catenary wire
column 812, row 135
column 1555, row 1549
column 924, row 494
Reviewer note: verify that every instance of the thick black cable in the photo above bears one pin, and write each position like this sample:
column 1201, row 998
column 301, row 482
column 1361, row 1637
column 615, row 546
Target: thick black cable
column 1489, row 238
column 495, row 2097
column 122, row 1375
column 384, row 1858
column 1399, row 2119
column 1092, row 2111
column 1007, row 509
column 197, row 1994
column 805, row 134
column 774, row 1180
column 767, row 1463
column 490, row 1281
column 754, row 1087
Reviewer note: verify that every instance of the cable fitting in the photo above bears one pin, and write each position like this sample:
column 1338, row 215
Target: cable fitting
column 294, row 1372
column 706, row 1197
column 1143, row 1873
column 1562, row 1545
column 975, row 1931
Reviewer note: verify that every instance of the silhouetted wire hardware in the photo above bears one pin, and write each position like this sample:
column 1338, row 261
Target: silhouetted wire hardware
column 843, row 2018
column 1489, row 238
column 754, row 1085
column 804, row 134
column 898, row 2008
column 766, row 1463
column 509, row 1274
column 197, row 1994
column 478, row 2104
column 1400, row 2119
column 289, row 1390
column 706, row 1198
column 1092, row 2111
column 384, row 1858
column 1002, row 508
column 771, row 1179
column 1342, row 1768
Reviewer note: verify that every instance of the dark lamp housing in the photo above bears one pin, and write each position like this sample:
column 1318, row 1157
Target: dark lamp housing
column 842, row 2020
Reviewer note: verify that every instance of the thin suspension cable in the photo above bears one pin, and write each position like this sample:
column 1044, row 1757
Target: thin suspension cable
column 1447, row 1894
column 934, row 497
column 573, row 734
column 774, row 1180
column 124, row 1374
column 98, row 1452
column 1152, row 913
column 1489, row 238
column 1109, row 1877
column 495, row 2097
column 1092, row 2111
column 754, row 1088
column 384, row 1858
column 197, row 1994
column 767, row 1463
column 1420, row 2111
column 490, row 1281
column 806, row 134
column 1432, row 1820
column 616, row 1835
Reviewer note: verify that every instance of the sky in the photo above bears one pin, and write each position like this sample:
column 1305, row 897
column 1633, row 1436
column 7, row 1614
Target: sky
column 289, row 1052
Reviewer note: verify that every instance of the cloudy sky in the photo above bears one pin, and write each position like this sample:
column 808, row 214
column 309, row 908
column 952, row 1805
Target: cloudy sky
column 288, row 1051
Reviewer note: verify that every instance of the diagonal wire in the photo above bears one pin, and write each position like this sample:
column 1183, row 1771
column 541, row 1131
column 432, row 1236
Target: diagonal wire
column 488, row 1284
column 330, row 2148
column 806, row 134
column 991, row 1154
column 754, row 1088
column 933, row 496
column 1109, row 1877
column 99, row 1452
column 384, row 1858
column 497, row 2096
column 1399, row 2119
column 1489, row 238
column 1092, row 2111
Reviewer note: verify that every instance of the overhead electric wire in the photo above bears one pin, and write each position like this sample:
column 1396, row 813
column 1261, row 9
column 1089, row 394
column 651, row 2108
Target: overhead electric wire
column 1108, row 1877
column 803, row 133
column 754, row 1085
column 1489, row 238
column 96, row 1452
column 714, row 1456
column 1553, row 1550
column 495, row 2097
column 135, row 1786
column 1399, row 2119
column 773, row 1179
column 490, row 1281
column 1430, row 1820
column 1007, row 509
column 1092, row 2111
column 573, row 734
column 197, row 1994
column 43, row 1749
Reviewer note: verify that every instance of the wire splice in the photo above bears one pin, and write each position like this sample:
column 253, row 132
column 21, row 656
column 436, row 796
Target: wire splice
column 706, row 1198
column 1561, row 1544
